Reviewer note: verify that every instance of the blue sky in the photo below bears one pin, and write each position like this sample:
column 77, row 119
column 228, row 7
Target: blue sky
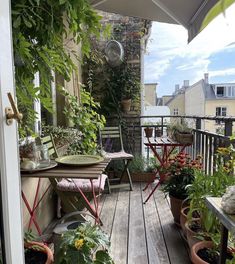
column 169, row 59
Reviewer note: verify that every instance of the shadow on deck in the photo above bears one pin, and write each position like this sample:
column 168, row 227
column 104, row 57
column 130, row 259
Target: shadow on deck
column 142, row 234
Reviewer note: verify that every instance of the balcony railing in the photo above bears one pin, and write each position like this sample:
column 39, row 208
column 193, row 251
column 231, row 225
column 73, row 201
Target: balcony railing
column 205, row 143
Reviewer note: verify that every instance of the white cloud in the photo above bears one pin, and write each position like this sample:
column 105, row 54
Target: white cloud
column 170, row 42
column 224, row 72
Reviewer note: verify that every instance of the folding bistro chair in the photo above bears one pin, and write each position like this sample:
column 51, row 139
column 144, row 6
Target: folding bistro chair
column 107, row 137
column 75, row 194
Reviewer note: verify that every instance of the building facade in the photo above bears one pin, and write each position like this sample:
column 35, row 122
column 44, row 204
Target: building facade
column 204, row 99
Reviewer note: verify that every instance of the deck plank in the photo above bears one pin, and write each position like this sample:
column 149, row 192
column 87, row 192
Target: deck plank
column 119, row 235
column 174, row 243
column 157, row 251
column 137, row 248
column 108, row 212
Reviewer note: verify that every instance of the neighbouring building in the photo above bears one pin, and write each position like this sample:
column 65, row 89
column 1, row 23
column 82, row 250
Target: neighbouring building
column 150, row 94
column 204, row 99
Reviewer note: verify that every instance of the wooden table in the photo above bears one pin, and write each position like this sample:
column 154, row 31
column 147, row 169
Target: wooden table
column 227, row 224
column 90, row 172
column 167, row 146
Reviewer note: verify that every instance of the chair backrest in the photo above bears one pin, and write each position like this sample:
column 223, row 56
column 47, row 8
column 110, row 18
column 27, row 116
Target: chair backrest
column 49, row 142
column 110, row 133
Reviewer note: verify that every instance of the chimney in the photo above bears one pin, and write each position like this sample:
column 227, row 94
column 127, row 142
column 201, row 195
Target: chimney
column 186, row 83
column 177, row 87
column 206, row 78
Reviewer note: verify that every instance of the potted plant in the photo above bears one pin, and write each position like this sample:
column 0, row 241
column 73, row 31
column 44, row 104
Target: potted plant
column 36, row 252
column 180, row 132
column 180, row 173
column 86, row 244
column 127, row 80
column 209, row 185
column 143, row 170
column 148, row 130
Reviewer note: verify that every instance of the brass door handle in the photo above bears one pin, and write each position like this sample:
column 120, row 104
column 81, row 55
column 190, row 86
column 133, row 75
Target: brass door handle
column 12, row 112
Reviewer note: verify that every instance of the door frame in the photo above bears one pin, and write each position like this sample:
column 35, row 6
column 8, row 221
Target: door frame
column 9, row 156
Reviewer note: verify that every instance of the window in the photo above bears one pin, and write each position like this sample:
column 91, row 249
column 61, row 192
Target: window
column 176, row 111
column 225, row 91
column 220, row 91
column 220, row 111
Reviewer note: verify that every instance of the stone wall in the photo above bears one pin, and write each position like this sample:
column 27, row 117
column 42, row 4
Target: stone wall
column 131, row 33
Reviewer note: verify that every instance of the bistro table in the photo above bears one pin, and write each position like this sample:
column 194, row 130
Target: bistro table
column 167, row 146
column 227, row 223
column 90, row 172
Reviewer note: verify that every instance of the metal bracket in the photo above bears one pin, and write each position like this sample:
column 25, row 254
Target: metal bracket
column 9, row 112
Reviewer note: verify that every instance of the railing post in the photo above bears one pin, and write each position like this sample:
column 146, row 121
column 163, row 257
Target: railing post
column 198, row 123
column 162, row 125
column 228, row 128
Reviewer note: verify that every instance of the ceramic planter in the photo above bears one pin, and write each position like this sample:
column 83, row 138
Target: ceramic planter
column 200, row 245
column 148, row 132
column 190, row 234
column 184, row 217
column 43, row 248
column 176, row 205
column 126, row 105
column 184, row 138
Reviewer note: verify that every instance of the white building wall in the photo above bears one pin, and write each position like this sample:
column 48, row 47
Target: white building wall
column 195, row 100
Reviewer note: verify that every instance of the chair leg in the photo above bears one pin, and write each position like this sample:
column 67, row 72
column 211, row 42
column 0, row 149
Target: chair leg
column 108, row 184
column 126, row 163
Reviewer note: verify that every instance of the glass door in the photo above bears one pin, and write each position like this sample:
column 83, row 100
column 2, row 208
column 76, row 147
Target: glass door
column 10, row 199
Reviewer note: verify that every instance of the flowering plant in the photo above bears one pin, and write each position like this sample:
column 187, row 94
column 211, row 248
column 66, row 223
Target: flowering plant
column 85, row 245
column 179, row 174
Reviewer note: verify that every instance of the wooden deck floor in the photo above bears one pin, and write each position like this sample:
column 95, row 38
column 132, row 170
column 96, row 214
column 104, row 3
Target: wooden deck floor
column 142, row 234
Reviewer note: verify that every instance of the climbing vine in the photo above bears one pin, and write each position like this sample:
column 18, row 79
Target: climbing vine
column 40, row 28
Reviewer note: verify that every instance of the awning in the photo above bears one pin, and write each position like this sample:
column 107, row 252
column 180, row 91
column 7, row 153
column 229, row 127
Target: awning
column 188, row 13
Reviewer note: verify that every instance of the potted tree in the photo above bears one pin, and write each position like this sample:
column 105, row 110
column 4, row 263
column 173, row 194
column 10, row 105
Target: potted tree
column 180, row 173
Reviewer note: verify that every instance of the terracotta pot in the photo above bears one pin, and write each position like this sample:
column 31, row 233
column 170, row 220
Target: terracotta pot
column 126, row 105
column 200, row 245
column 158, row 132
column 148, row 132
column 190, row 234
column 176, row 208
column 45, row 249
column 184, row 217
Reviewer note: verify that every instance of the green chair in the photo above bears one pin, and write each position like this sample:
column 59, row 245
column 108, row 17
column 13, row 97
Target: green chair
column 107, row 136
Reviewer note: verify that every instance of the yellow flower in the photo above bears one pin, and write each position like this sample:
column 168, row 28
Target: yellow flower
column 223, row 151
column 78, row 243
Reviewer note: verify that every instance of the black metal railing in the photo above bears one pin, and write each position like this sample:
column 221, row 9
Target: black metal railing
column 205, row 143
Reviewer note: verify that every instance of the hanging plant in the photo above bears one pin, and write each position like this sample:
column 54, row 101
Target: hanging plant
column 40, row 28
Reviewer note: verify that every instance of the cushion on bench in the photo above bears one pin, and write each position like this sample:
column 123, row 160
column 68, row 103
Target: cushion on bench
column 72, row 185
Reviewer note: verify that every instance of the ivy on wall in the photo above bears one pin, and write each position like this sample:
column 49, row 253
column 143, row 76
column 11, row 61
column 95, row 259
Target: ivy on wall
column 39, row 30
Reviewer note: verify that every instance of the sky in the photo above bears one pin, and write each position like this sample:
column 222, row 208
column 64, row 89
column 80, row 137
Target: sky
column 169, row 60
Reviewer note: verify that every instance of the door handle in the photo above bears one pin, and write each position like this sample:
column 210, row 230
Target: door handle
column 12, row 112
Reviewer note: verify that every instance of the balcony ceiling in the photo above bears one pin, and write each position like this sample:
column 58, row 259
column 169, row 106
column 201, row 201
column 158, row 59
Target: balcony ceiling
column 188, row 13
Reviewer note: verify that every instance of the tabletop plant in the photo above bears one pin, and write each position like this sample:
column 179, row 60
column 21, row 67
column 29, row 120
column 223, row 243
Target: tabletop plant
column 85, row 245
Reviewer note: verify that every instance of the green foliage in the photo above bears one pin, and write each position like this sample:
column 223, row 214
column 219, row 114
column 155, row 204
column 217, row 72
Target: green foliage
column 85, row 118
column 219, row 8
column 81, row 246
column 180, row 172
column 141, row 164
column 39, row 30
column 62, row 136
column 209, row 185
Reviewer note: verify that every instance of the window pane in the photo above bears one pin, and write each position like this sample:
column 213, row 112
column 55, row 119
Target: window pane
column 224, row 110
column 220, row 91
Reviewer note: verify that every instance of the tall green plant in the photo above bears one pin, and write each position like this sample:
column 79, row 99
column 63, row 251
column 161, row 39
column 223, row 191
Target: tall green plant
column 40, row 28
column 86, row 119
